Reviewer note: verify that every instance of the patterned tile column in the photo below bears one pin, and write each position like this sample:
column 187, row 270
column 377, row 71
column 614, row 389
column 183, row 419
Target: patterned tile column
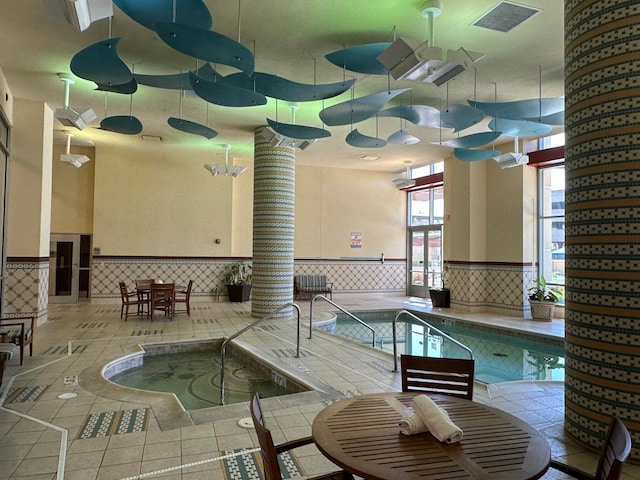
column 602, row 86
column 273, row 226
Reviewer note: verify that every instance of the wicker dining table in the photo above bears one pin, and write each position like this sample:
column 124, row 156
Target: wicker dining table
column 362, row 435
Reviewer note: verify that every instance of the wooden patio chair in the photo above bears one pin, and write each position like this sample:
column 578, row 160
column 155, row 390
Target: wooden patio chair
column 444, row 376
column 617, row 446
column 19, row 331
column 129, row 299
column 184, row 296
column 270, row 451
column 143, row 289
column 7, row 351
column 163, row 297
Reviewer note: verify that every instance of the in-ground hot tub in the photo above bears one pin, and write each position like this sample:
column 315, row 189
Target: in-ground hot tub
column 191, row 371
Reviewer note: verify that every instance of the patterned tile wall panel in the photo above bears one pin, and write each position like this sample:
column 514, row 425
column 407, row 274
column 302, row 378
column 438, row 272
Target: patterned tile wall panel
column 357, row 276
column 346, row 275
column 480, row 285
column 602, row 204
column 26, row 287
column 107, row 272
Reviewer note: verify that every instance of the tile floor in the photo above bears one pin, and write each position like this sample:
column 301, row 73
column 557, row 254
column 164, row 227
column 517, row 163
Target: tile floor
column 48, row 404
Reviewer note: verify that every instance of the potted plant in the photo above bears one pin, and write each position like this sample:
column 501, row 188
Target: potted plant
column 237, row 278
column 440, row 296
column 543, row 299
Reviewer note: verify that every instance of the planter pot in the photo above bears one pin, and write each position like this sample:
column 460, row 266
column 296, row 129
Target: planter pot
column 239, row 293
column 440, row 297
column 542, row 310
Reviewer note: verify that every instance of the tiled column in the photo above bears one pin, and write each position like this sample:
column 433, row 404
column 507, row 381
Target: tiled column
column 602, row 86
column 273, row 226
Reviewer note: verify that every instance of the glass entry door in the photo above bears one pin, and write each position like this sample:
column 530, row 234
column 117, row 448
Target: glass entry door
column 425, row 262
column 64, row 258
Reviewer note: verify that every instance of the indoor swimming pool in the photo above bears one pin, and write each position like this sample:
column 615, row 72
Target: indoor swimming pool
column 501, row 355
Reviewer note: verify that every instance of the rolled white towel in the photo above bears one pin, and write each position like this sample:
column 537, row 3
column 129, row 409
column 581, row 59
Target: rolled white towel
column 412, row 425
column 436, row 419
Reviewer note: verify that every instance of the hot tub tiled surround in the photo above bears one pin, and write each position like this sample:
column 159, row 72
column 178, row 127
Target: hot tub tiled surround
column 292, row 384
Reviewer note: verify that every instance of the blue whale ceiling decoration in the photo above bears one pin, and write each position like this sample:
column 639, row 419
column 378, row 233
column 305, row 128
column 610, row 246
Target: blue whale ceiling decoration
column 125, row 124
column 361, row 58
column 278, row 87
column 207, row 45
column 150, row 12
column 101, row 64
column 359, row 109
column 192, row 127
column 300, row 132
column 357, row 139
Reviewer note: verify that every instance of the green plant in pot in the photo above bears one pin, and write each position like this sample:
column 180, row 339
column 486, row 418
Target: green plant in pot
column 237, row 277
column 543, row 298
column 440, row 296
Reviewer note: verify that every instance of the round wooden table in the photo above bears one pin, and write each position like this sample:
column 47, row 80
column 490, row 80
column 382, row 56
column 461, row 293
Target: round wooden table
column 362, row 435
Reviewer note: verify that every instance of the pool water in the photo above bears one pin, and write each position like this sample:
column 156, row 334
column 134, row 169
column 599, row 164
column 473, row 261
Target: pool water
column 194, row 377
column 501, row 355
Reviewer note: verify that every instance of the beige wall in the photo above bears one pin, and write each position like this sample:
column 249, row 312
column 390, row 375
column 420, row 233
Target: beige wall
column 332, row 203
column 72, row 192
column 29, row 216
column 160, row 201
column 464, row 210
column 489, row 215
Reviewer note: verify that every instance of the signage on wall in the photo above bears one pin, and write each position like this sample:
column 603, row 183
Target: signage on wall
column 356, row 240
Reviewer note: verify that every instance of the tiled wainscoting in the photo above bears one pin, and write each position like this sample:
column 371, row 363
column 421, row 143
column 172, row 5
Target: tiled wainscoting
column 26, row 287
column 355, row 276
column 477, row 286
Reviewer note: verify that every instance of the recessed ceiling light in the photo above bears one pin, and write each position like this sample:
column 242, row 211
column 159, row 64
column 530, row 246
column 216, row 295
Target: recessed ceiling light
column 369, row 158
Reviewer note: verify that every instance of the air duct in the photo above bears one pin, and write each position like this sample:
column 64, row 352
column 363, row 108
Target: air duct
column 405, row 182
column 512, row 159
column 75, row 160
column 69, row 117
column 226, row 170
column 407, row 59
column 79, row 13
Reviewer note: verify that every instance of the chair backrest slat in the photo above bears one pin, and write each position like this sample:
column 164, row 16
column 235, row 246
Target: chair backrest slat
column 615, row 452
column 267, row 447
column 445, row 376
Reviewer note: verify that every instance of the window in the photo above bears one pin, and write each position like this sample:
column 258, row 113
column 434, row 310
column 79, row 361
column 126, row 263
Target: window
column 426, row 206
column 551, row 225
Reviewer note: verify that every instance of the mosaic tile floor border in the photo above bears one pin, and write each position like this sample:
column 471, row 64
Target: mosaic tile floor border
column 143, row 333
column 64, row 350
column 26, row 394
column 249, row 466
column 114, row 423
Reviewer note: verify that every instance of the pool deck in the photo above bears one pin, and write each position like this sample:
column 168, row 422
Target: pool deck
column 41, row 433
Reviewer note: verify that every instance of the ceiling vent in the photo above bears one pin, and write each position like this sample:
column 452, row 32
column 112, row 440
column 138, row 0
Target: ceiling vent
column 505, row 16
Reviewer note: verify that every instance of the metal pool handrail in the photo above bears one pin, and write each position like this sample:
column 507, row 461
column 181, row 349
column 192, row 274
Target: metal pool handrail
column 249, row 327
column 429, row 326
column 322, row 297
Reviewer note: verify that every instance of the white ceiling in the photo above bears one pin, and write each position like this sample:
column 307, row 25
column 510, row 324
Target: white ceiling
column 289, row 39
